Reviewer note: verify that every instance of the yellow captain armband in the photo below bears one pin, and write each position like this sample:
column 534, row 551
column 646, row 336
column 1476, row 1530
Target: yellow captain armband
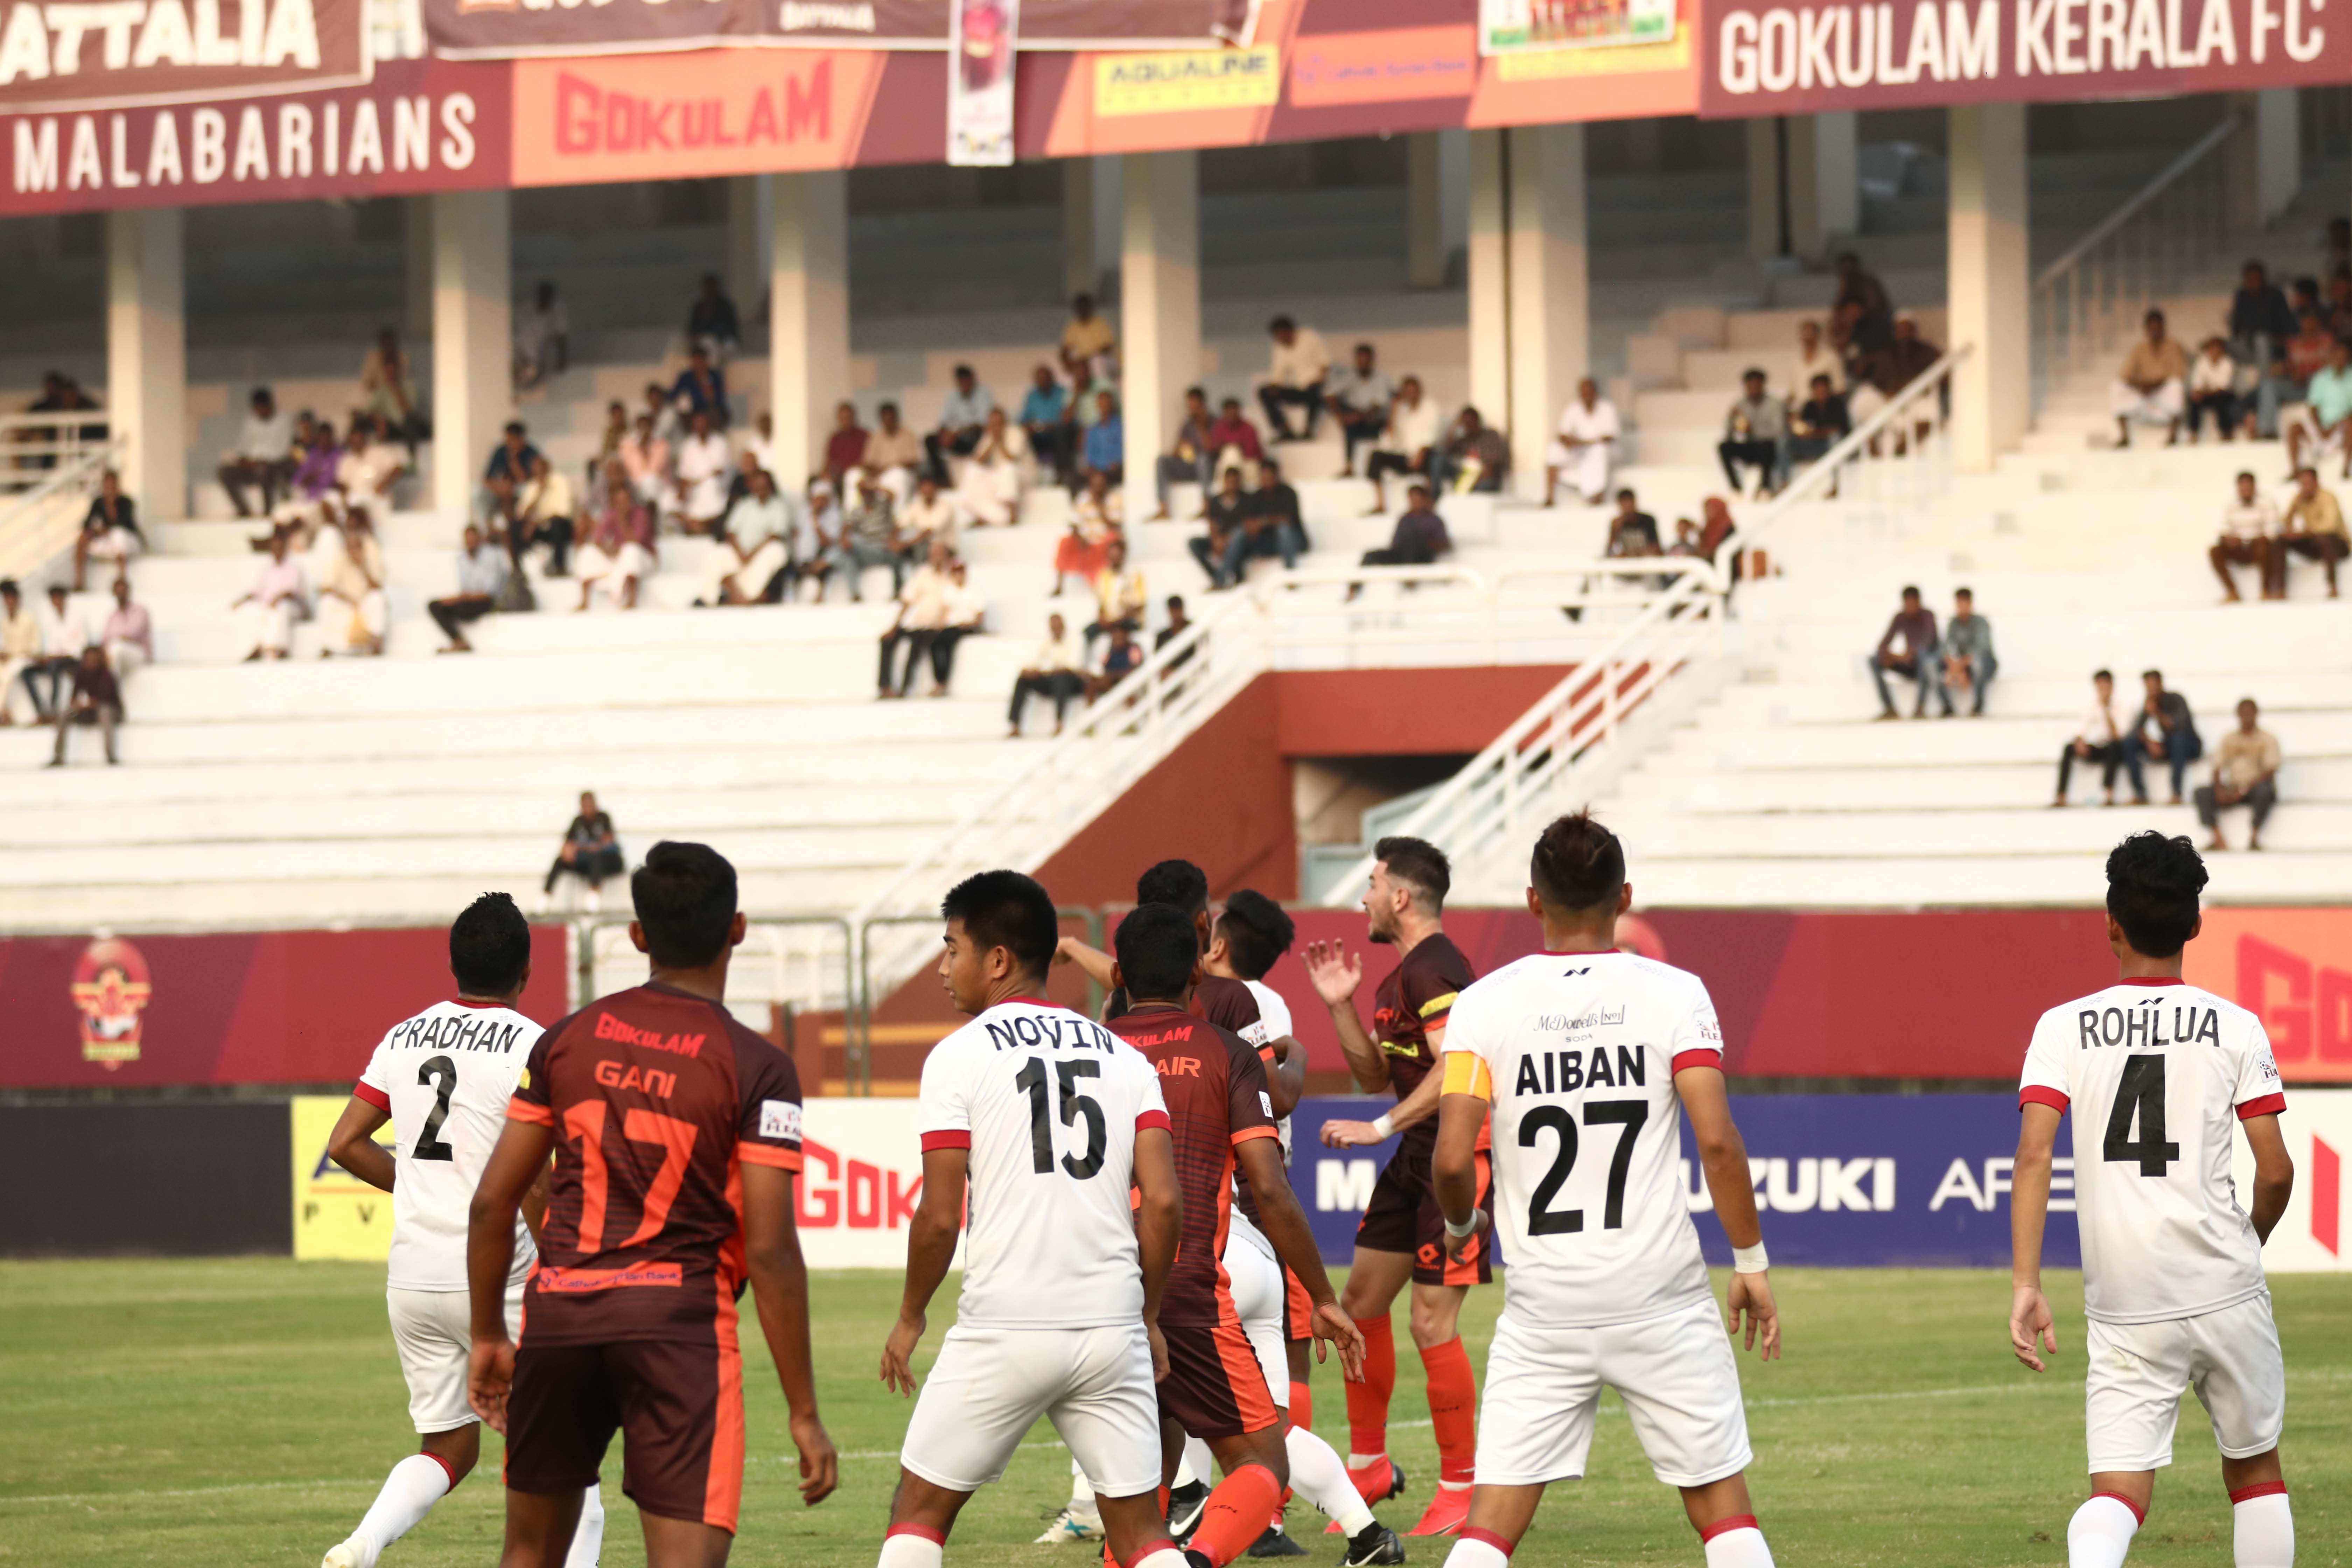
column 1466, row 1073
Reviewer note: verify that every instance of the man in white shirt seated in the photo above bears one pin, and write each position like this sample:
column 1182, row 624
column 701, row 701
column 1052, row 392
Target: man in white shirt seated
column 1584, row 452
column 368, row 468
column 960, row 617
column 1815, row 357
column 703, row 462
column 1358, row 394
column 928, row 515
column 989, row 492
column 922, row 611
column 2213, row 390
column 1416, row 430
column 481, row 575
column 275, row 601
column 351, row 611
column 64, row 632
column 751, row 549
column 1294, row 377
column 263, row 455
column 1055, row 669
column 544, row 512
column 2248, row 523
column 2105, row 738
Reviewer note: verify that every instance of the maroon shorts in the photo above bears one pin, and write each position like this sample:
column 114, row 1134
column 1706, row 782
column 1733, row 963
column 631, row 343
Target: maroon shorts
column 677, row 1405
column 1403, row 1216
column 1214, row 1386
column 1297, row 1308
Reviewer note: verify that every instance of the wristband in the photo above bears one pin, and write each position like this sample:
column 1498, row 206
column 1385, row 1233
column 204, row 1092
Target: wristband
column 1381, row 1125
column 1457, row 1232
column 1750, row 1259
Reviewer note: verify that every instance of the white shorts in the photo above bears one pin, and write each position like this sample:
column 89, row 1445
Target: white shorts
column 435, row 1332
column 990, row 1385
column 2132, row 1390
column 1676, row 1374
column 1258, row 1288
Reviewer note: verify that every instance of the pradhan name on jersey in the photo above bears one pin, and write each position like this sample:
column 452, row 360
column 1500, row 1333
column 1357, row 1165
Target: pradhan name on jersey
column 459, row 1032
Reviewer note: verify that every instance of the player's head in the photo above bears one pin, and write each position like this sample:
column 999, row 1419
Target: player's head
column 1181, row 885
column 685, row 898
column 1158, row 958
column 1577, row 874
column 2152, row 887
column 490, row 948
column 1410, row 879
column 1000, row 935
column 1255, row 932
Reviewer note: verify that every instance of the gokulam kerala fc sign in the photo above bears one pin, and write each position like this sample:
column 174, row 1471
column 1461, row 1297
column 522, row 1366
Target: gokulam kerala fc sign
column 111, row 991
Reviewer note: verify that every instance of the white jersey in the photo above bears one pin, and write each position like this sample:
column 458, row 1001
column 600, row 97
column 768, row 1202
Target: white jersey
column 1274, row 1015
column 445, row 1077
column 2157, row 1072
column 1048, row 1102
column 1578, row 1053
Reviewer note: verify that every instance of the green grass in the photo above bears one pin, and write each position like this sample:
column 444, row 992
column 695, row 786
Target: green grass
column 243, row 1413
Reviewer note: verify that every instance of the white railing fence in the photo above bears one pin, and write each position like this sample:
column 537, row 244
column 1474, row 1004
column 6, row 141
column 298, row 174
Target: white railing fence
column 49, row 467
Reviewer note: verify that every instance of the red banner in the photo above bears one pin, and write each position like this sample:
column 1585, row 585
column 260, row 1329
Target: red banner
column 482, row 29
column 119, row 54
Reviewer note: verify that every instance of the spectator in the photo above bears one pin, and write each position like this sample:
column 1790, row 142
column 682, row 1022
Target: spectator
column 481, row 575
column 700, row 388
column 615, row 435
column 1477, row 456
column 2289, row 375
column 1045, row 420
column 700, row 480
column 663, row 412
column 990, row 491
column 1632, row 532
column 388, row 393
column 97, row 699
column 109, row 531
column 2260, row 322
column 2339, row 302
column 544, row 513
column 1226, row 512
column 739, row 478
column 591, row 852
column 1271, row 526
column 1754, row 432
column 2152, row 386
column 710, row 322
column 1294, row 374
column 1180, row 621
column 1879, row 376
column 1104, row 450
column 964, row 611
column 2245, row 772
column 1095, row 519
column 963, row 418
column 1234, row 442
column 20, row 647
column 62, row 631
column 844, row 448
column 1862, row 320
column 1584, row 450
column 760, row 446
column 278, row 598
column 1420, row 538
column 1819, row 423
column 61, row 394
column 751, row 556
column 1912, row 628
column 263, row 457
column 816, row 535
column 2314, row 527
column 618, row 551
column 1815, row 357
column 1966, row 656
column 2106, row 740
column 1120, row 657
column 2318, row 429
column 1718, row 529
column 368, row 469
column 2213, row 393
column 1408, row 445
column 312, row 491
column 2247, row 524
column 922, row 611
column 2168, row 729
column 1055, row 669
column 129, row 634
column 1086, row 337
column 1085, row 408
column 892, row 454
column 542, row 337
column 1358, row 396
column 870, row 537
column 351, row 614
column 510, row 466
column 1120, row 598
column 928, row 515
column 1188, row 463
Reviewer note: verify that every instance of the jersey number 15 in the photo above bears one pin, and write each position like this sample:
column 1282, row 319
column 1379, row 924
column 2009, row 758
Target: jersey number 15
column 1076, row 1106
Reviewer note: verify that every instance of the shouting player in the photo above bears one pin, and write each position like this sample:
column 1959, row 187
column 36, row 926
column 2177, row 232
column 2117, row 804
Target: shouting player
column 1050, row 1120
column 2172, row 1268
column 1402, row 1240
column 1587, row 1060
column 676, row 1132
column 442, row 1079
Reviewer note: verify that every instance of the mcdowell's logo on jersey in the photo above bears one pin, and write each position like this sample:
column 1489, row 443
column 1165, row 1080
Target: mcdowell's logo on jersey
column 2143, row 1027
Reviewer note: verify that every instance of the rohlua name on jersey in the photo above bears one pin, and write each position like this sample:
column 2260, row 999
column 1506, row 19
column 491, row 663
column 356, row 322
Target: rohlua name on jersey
column 1057, row 1031
column 2141, row 1026
column 459, row 1032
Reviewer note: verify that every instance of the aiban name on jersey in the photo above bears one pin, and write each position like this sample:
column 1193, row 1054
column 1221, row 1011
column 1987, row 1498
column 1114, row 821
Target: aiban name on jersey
column 1565, row 1072
column 2141, row 1027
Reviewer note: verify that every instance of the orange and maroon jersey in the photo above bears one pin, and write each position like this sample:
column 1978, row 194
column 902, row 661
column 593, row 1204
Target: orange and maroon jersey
column 1414, row 999
column 657, row 1100
column 1216, row 1095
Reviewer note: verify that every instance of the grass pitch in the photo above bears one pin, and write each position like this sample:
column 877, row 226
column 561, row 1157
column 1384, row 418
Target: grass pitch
column 203, row 1414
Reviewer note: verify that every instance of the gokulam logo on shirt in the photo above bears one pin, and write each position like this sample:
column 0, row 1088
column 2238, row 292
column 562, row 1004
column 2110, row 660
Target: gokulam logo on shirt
column 779, row 1119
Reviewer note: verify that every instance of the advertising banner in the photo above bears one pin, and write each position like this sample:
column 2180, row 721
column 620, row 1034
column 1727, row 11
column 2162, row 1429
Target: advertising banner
column 1807, row 56
column 2293, row 968
column 980, row 82
column 1509, row 26
column 337, row 1216
column 133, row 53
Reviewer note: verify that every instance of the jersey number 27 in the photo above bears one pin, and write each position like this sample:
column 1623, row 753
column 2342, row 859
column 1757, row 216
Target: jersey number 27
column 1542, row 1218
column 1076, row 1106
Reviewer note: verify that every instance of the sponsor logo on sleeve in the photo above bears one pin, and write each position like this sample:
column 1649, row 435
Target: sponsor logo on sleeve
column 780, row 1119
column 1266, row 1103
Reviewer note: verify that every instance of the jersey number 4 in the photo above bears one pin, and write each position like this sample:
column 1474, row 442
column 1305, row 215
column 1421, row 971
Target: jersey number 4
column 2140, row 1097
column 1542, row 1218
column 1074, row 1108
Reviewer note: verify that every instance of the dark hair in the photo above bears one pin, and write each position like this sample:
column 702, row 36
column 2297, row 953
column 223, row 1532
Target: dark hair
column 684, row 899
column 489, row 946
column 965, row 369
column 1279, row 323
column 1968, row 593
column 516, row 427
column 8, row 586
column 2153, row 315
column 2155, row 675
column 1753, row 373
column 1577, row 863
column 1156, row 950
column 1006, row 910
column 1177, row 883
column 2106, row 674
column 2152, row 887
column 2246, row 474
column 1256, row 932
column 1420, row 865
column 1175, row 601
column 1909, row 592
column 1268, row 465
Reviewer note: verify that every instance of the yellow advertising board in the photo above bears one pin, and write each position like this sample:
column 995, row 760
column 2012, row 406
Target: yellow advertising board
column 336, row 1215
column 1174, row 80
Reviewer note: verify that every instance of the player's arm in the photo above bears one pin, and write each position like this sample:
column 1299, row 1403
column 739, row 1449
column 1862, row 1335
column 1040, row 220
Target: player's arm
column 1335, row 973
column 930, row 1249
column 1159, row 1224
column 771, row 1257
column 1465, row 1096
column 1723, row 1155
column 353, row 1143
column 2029, row 1209
column 1286, row 1075
column 1092, row 961
column 515, row 1163
column 534, row 1202
column 1285, row 1225
column 2274, row 1171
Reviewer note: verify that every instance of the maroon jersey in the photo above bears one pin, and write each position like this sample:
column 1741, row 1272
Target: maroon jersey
column 1231, row 1006
column 657, row 1100
column 1414, row 999
column 1215, row 1090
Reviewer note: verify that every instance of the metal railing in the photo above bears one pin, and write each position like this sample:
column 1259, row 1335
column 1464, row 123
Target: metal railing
column 49, row 467
column 800, row 963
column 2165, row 233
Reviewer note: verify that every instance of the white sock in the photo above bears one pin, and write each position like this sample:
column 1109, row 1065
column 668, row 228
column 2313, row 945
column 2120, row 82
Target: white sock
column 1317, row 1475
column 1477, row 1549
column 588, row 1535
column 1082, row 1496
column 1365, row 1461
column 2265, row 1537
column 1165, row 1555
column 1736, row 1542
column 1196, row 1465
column 912, row 1546
column 416, row 1484
column 2101, row 1532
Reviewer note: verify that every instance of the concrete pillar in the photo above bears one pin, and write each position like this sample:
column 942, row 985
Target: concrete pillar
column 1454, row 190
column 1159, row 308
column 750, row 226
column 1424, row 212
column 808, row 316
column 1764, row 227
column 1824, row 190
column 2278, row 150
column 1551, row 289
column 147, row 357
column 1110, row 224
column 1081, row 263
column 1990, row 286
column 473, row 339
column 1837, row 175
column 416, row 276
column 1488, row 245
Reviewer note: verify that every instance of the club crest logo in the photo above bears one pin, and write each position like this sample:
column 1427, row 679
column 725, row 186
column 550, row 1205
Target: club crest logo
column 111, row 990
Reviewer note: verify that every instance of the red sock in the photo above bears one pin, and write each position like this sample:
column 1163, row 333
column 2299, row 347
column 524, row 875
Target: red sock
column 1302, row 1402
column 1368, row 1401
column 1453, row 1409
column 1236, row 1514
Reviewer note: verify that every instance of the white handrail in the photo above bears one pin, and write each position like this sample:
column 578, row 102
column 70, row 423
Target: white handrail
column 38, row 522
column 2138, row 200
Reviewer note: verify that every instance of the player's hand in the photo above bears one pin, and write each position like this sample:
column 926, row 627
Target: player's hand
column 1350, row 1135
column 1329, row 1323
column 820, row 1466
column 1457, row 1247
column 1335, row 972
column 897, row 1353
column 1158, row 1352
column 1061, row 948
column 2029, row 1322
column 1751, row 1294
column 489, row 1373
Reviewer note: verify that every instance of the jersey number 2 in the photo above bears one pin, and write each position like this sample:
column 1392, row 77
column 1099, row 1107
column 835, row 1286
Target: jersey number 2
column 1075, row 1106
column 2141, row 1096
column 1542, row 1218
column 442, row 1074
